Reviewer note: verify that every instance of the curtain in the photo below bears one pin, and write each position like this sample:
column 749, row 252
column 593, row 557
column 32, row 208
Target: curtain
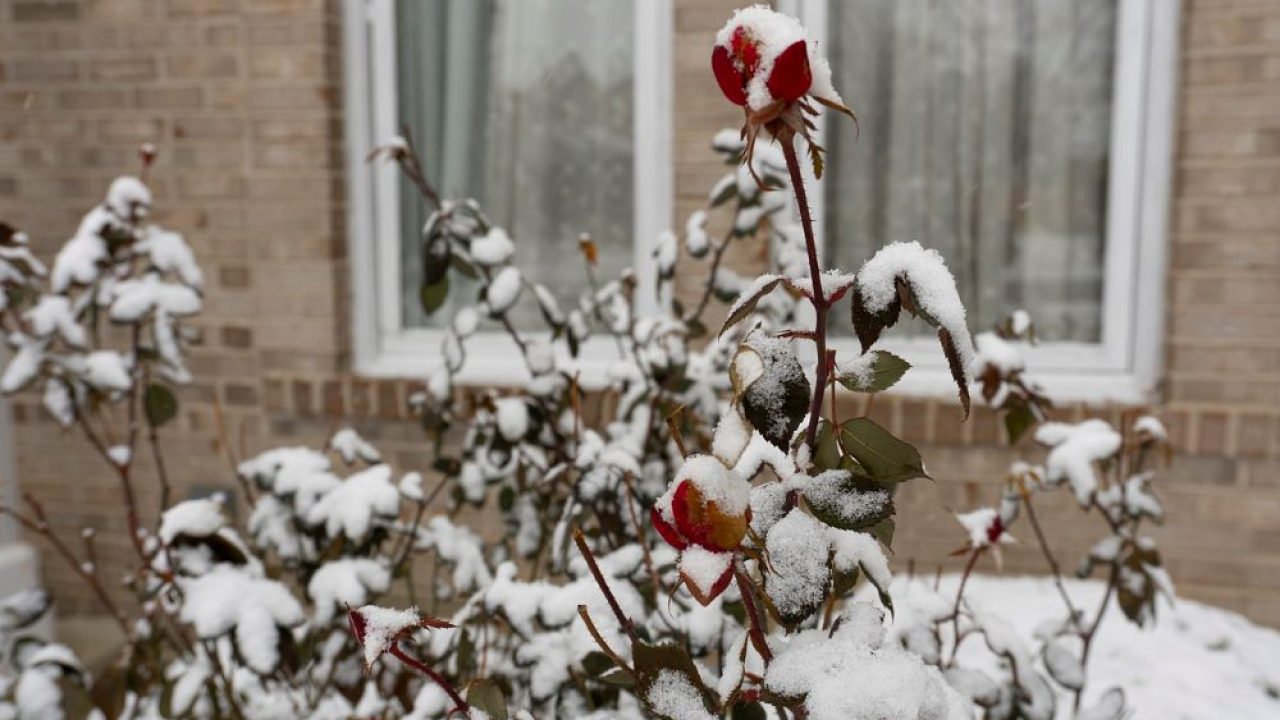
column 525, row 105
column 985, row 132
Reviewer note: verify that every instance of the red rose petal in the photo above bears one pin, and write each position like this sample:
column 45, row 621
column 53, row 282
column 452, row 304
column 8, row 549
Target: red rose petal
column 732, row 83
column 721, row 584
column 668, row 533
column 791, row 77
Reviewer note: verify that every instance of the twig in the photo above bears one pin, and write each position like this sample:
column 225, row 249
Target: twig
column 604, row 646
column 1053, row 562
column 955, row 611
column 622, row 618
column 439, row 679
column 716, row 256
column 756, row 631
column 40, row 526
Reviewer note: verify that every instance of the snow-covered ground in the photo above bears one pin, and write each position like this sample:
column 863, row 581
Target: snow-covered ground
column 1196, row 662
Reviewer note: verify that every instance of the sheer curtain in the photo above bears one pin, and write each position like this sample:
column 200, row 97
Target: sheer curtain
column 525, row 105
column 985, row 131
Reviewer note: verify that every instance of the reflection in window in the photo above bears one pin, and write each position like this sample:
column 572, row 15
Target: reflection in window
column 985, row 131
column 525, row 105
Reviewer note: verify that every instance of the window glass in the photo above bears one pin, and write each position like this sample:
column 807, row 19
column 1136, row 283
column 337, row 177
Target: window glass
column 985, row 127
column 525, row 105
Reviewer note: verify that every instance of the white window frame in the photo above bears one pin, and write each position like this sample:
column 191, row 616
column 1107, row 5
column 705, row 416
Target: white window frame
column 1125, row 366
column 382, row 345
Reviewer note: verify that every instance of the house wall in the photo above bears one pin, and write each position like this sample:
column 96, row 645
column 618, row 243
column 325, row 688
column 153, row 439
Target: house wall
column 243, row 100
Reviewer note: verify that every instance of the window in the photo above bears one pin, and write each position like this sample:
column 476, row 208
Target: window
column 554, row 114
column 1027, row 141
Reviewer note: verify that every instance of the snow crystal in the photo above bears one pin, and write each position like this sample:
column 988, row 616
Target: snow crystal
column 1149, row 426
column 78, row 261
column 136, row 298
column 346, row 582
column 695, row 234
column 931, row 283
column 852, row 550
column 979, row 525
column 703, row 568
column 994, row 351
column 52, row 314
column 37, row 694
column 751, row 292
column 493, row 248
column 169, row 252
column 513, row 418
column 717, row 483
column 351, row 506
column 197, row 518
column 504, row 290
column 798, row 555
column 768, row 505
column 672, row 695
column 128, row 198
column 348, row 443
column 828, row 490
column 465, row 322
column 119, row 454
column 103, row 369
column 381, row 628
column 732, row 436
column 410, row 486
column 666, row 251
column 229, row 599
column 461, row 548
column 1075, row 449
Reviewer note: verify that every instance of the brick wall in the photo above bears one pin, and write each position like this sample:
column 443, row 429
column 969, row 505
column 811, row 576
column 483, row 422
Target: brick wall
column 242, row 99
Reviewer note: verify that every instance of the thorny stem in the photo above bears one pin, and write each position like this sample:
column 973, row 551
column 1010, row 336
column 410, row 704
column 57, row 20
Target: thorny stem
column 955, row 611
column 756, row 631
column 40, row 526
column 1087, row 637
column 820, row 304
column 439, row 679
column 623, row 620
column 716, row 256
column 1053, row 562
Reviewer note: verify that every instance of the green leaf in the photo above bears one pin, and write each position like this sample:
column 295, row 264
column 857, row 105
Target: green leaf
column 651, row 660
column 868, row 325
column 886, row 370
column 507, row 498
column 886, row 459
column 160, row 404
column 746, row 302
column 777, row 401
column 883, row 532
column 486, row 696
column 466, row 653
column 619, row 678
column 433, row 296
column 435, row 259
column 957, row 367
column 847, row 501
column 748, row 711
column 597, row 663
column 1017, row 421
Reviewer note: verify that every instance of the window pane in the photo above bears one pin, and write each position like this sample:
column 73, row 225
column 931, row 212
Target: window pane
column 525, row 105
column 985, row 131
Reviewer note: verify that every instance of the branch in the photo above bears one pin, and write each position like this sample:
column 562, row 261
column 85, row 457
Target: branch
column 439, row 679
column 622, row 618
column 820, row 304
column 1053, row 563
column 756, row 631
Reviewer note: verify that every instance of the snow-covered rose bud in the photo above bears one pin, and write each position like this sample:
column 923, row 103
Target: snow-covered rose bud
column 706, row 505
column 761, row 57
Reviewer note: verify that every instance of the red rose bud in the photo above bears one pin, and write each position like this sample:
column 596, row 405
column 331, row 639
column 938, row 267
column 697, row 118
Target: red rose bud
column 791, row 78
column 702, row 521
column 704, row 596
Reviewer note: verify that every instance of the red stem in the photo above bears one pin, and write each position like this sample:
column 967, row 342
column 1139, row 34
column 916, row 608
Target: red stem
column 439, row 679
column 820, row 304
column 757, row 628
